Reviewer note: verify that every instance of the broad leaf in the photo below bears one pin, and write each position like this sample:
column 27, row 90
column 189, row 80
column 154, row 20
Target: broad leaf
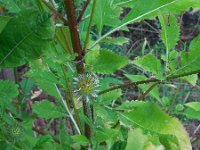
column 152, row 8
column 8, row 91
column 149, row 117
column 24, row 38
column 143, row 9
column 105, row 61
column 136, row 140
column 45, row 79
column 170, row 28
column 48, row 110
column 15, row 6
column 150, row 63
column 192, row 79
column 189, row 61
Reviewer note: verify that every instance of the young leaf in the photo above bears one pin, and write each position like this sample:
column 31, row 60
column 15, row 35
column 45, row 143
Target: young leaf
column 48, row 110
column 25, row 37
column 190, row 61
column 149, row 117
column 194, row 105
column 8, row 91
column 105, row 61
column 150, row 63
column 170, row 31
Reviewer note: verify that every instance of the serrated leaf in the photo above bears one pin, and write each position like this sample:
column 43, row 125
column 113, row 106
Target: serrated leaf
column 149, row 63
column 143, row 9
column 192, row 79
column 25, row 37
column 45, row 79
column 189, row 61
column 149, row 117
column 105, row 61
column 48, row 110
column 170, row 31
column 8, row 91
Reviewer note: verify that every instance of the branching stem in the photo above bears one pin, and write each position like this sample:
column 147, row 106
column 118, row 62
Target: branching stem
column 170, row 77
column 83, row 11
column 55, row 12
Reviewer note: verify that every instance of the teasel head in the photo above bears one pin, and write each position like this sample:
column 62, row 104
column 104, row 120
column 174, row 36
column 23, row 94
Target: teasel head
column 86, row 86
column 14, row 132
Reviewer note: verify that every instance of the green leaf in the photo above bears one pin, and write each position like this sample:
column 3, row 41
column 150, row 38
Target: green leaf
column 62, row 33
column 107, row 115
column 82, row 140
column 106, row 13
column 169, row 141
column 15, row 6
column 136, row 140
column 149, row 117
column 150, row 63
column 64, row 137
column 8, row 91
column 116, row 41
column 25, row 37
column 105, row 61
column 154, row 93
column 189, row 61
column 45, row 79
column 194, row 105
column 170, row 31
column 3, row 22
column 192, row 114
column 47, row 110
column 108, row 97
column 192, row 79
column 143, row 9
